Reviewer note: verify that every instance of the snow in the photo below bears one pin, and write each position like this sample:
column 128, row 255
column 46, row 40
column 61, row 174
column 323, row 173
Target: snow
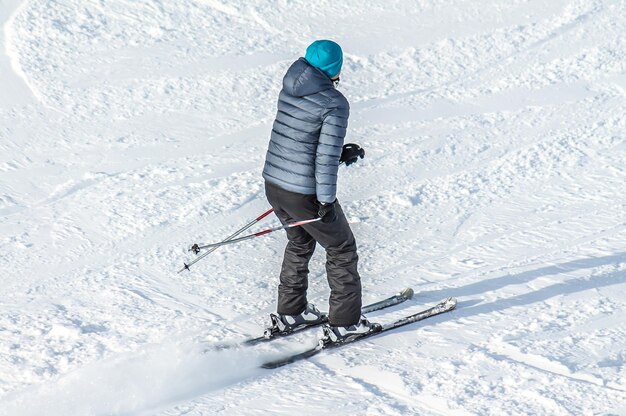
column 495, row 172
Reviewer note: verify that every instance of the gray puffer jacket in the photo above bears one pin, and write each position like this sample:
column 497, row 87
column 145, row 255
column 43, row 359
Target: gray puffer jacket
column 308, row 133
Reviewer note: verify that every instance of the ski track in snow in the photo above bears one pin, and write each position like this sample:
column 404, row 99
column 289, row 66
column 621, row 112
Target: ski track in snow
column 495, row 172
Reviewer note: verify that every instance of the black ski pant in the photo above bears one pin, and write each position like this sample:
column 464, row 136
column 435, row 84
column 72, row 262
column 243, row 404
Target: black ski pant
column 341, row 257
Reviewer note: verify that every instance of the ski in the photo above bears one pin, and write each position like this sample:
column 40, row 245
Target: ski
column 444, row 306
column 272, row 332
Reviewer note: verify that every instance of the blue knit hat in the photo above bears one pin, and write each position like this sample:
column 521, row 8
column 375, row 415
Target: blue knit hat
column 325, row 55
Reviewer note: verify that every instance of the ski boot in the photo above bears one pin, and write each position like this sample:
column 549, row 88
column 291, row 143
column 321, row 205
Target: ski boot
column 339, row 334
column 287, row 323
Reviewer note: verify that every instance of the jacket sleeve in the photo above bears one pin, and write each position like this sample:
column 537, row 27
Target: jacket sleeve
column 333, row 131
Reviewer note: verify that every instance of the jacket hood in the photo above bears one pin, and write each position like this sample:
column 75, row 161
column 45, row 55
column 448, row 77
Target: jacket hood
column 302, row 79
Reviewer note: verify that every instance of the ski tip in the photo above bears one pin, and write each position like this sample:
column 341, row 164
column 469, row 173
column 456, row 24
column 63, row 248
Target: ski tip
column 407, row 293
column 450, row 302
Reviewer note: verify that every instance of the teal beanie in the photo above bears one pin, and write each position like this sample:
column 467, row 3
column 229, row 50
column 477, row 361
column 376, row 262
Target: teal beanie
column 325, row 55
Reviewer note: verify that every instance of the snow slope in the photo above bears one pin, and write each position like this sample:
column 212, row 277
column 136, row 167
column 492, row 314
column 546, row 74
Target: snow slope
column 495, row 172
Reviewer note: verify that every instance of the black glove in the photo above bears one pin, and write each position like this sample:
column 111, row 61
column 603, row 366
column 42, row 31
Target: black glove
column 350, row 153
column 327, row 211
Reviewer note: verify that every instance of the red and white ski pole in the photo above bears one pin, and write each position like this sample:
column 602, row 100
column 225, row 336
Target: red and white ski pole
column 196, row 249
column 260, row 233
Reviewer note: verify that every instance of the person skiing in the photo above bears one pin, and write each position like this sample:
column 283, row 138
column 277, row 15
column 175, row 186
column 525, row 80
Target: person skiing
column 300, row 172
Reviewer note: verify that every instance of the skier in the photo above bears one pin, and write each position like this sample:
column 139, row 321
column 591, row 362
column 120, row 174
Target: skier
column 300, row 173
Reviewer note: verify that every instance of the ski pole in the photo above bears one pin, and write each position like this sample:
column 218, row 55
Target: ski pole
column 196, row 249
column 260, row 233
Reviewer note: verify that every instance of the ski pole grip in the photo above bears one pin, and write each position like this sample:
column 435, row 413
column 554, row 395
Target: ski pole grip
column 265, row 214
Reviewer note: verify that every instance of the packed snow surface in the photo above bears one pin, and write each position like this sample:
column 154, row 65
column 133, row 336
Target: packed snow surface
column 495, row 172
